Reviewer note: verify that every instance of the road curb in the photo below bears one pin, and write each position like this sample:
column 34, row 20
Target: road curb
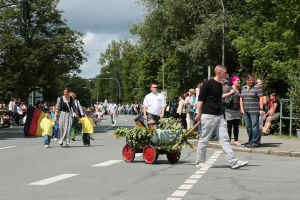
column 215, row 145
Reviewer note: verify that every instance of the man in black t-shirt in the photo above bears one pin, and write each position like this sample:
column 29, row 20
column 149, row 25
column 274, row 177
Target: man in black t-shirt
column 210, row 111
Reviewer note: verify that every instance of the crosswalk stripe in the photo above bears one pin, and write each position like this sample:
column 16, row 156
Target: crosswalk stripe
column 104, row 164
column 53, row 179
column 8, row 147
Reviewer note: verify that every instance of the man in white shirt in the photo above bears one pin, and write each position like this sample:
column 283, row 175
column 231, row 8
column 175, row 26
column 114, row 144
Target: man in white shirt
column 112, row 110
column 154, row 105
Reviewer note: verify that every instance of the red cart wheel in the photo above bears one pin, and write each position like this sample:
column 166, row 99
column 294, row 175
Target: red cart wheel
column 149, row 154
column 128, row 153
column 173, row 157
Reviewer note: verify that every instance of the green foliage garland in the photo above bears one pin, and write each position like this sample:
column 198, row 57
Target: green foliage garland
column 141, row 136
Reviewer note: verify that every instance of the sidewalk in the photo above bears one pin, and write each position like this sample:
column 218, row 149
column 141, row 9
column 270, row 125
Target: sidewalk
column 269, row 145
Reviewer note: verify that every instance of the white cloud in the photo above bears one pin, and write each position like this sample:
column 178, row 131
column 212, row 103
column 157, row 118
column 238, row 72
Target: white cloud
column 101, row 21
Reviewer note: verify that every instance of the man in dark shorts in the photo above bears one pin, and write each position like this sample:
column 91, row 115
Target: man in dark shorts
column 154, row 105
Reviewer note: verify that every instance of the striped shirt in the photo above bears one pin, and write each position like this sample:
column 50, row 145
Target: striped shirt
column 250, row 97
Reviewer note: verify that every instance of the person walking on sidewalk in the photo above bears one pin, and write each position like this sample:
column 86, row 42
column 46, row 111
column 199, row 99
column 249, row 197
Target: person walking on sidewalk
column 212, row 120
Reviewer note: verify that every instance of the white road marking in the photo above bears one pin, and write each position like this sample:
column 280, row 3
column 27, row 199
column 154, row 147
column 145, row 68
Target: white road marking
column 183, row 189
column 191, row 181
column 196, row 176
column 138, row 154
column 179, row 193
column 111, row 126
column 53, row 179
column 214, row 156
column 104, row 164
column 8, row 147
column 200, row 172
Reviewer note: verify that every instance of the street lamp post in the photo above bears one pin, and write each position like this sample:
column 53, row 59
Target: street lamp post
column 91, row 97
column 223, row 39
column 112, row 79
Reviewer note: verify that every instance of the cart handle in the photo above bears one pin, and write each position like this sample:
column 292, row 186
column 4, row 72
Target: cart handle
column 195, row 126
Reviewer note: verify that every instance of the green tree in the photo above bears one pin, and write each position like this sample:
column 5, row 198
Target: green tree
column 37, row 51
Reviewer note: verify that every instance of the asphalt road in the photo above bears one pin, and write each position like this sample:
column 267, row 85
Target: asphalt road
column 30, row 171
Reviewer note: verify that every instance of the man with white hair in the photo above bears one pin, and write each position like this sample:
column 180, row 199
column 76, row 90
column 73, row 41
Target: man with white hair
column 212, row 120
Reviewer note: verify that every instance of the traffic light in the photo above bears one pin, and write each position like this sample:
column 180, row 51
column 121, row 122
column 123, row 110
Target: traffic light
column 201, row 70
column 26, row 10
column 91, row 82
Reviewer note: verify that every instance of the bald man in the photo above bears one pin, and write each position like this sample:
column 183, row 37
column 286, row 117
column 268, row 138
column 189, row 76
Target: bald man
column 209, row 109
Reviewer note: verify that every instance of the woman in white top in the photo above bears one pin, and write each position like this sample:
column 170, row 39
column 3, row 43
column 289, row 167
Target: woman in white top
column 20, row 115
column 181, row 111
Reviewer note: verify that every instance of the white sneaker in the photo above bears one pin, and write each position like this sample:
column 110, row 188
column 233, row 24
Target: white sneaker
column 46, row 146
column 51, row 140
column 203, row 165
column 239, row 163
column 55, row 139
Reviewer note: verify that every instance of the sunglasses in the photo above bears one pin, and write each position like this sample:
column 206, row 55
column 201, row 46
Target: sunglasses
column 154, row 87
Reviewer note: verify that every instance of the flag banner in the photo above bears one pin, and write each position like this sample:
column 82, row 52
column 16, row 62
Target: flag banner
column 32, row 123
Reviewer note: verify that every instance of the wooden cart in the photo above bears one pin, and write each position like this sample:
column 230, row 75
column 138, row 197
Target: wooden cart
column 150, row 152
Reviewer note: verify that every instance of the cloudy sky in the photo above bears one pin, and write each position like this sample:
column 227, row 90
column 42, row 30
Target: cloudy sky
column 101, row 21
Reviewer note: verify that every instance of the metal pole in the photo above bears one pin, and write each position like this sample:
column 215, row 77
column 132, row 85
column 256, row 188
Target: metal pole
column 280, row 120
column 115, row 80
column 223, row 39
column 97, row 92
column 291, row 113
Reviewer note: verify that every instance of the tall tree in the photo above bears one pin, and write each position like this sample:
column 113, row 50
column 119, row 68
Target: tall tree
column 35, row 52
column 266, row 35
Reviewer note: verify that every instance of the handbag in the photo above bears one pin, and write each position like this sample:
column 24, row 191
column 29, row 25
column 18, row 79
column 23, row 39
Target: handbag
column 226, row 101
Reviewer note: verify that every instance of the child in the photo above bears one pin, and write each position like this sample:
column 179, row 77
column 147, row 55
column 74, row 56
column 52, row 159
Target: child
column 99, row 116
column 46, row 126
column 87, row 127
column 55, row 129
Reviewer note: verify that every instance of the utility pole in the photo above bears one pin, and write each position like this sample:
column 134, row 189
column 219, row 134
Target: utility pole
column 223, row 39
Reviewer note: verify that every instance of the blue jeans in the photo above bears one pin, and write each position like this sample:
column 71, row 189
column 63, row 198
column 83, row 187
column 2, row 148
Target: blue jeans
column 86, row 138
column 47, row 139
column 55, row 131
column 251, row 121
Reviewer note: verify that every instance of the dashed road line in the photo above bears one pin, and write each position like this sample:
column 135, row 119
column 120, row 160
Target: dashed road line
column 189, row 183
column 111, row 126
column 104, row 164
column 53, row 179
column 7, row 147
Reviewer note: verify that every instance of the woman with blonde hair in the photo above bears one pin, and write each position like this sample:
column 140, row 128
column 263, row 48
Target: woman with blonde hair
column 181, row 111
